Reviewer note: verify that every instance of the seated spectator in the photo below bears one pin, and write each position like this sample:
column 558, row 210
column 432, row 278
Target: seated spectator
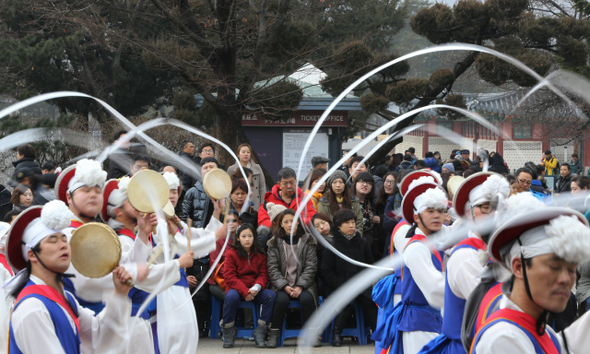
column 22, row 197
column 314, row 177
column 324, row 226
column 216, row 281
column 287, row 194
column 339, row 197
column 238, row 195
column 245, row 274
column 335, row 271
column 292, row 279
column 25, row 155
column 258, row 182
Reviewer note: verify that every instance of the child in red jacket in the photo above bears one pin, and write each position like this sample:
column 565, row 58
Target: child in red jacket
column 246, row 276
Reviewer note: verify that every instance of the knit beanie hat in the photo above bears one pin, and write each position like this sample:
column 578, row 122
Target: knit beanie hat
column 274, row 210
column 337, row 174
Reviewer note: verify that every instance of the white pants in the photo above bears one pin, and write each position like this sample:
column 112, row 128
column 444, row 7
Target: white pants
column 414, row 341
column 178, row 331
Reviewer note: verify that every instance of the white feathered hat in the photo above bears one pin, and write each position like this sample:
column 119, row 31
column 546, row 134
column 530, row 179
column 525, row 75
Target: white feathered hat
column 84, row 173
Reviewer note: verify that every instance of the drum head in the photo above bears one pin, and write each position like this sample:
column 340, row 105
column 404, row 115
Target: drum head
column 96, row 250
column 148, row 191
column 217, row 184
column 168, row 210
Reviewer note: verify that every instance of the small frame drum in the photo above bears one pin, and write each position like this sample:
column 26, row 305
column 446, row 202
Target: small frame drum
column 148, row 191
column 96, row 250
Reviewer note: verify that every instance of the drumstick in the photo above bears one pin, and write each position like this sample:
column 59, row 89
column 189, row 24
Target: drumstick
column 189, row 224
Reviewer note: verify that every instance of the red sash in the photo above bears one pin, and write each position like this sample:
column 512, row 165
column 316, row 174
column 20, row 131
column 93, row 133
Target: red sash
column 486, row 303
column 51, row 294
column 395, row 229
column 75, row 223
column 126, row 232
column 5, row 264
column 474, row 242
column 421, row 238
column 528, row 323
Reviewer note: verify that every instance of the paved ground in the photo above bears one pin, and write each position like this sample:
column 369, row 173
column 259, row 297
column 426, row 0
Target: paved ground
column 207, row 345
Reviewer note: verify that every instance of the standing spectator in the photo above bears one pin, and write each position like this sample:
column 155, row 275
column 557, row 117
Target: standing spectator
column 119, row 159
column 339, row 197
column 25, row 155
column 258, row 181
column 438, row 158
column 524, row 176
column 581, row 184
column 315, row 176
column 48, row 167
column 465, row 155
column 238, row 195
column 578, row 164
column 44, row 192
column 22, row 197
column 550, row 163
column 364, row 190
column 497, row 164
column 287, row 194
column 406, row 164
column 5, row 204
column 564, row 180
column 292, row 279
column 139, row 162
column 378, row 175
column 245, row 274
column 207, row 150
column 412, row 152
column 388, row 191
column 356, row 167
column 336, row 271
column 319, row 162
column 196, row 204
column 187, row 153
column 420, row 165
column 432, row 162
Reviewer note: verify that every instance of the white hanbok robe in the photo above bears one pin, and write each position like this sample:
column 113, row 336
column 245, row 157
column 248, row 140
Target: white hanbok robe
column 34, row 330
column 178, row 330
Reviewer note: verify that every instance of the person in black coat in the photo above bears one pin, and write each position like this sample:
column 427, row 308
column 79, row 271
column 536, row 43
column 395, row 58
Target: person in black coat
column 119, row 160
column 5, row 204
column 26, row 161
column 335, row 271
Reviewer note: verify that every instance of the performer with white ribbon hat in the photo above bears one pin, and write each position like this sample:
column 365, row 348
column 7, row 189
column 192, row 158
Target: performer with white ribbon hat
column 45, row 318
column 416, row 319
column 122, row 217
column 177, row 326
column 472, row 200
column 542, row 250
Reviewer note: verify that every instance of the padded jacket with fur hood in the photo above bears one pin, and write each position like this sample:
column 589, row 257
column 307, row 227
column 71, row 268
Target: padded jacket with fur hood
column 306, row 268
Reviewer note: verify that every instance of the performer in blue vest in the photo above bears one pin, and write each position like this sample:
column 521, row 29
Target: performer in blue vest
column 45, row 318
column 123, row 218
column 417, row 318
column 542, row 250
column 472, row 200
